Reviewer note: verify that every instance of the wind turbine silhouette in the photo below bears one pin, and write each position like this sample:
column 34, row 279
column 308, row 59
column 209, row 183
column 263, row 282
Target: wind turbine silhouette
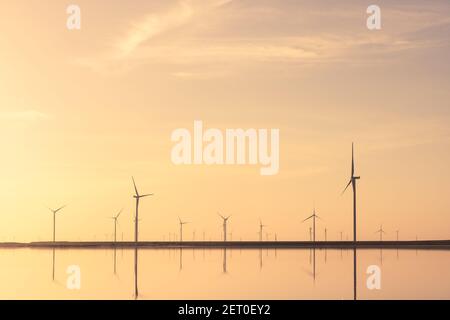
column 313, row 216
column 397, row 231
column 181, row 228
column 137, row 196
column 54, row 219
column 380, row 231
column 115, row 224
column 225, row 220
column 261, row 226
column 352, row 181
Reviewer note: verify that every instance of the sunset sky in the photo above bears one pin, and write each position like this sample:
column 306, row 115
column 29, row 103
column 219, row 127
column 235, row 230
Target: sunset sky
column 81, row 111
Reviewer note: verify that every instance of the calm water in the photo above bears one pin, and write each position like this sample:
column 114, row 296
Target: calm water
column 216, row 274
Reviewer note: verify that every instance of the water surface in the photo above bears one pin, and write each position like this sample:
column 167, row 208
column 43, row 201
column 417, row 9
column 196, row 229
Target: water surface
column 223, row 274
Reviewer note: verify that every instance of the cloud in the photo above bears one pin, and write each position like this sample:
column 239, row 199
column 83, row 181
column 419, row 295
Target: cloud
column 26, row 115
column 177, row 37
column 153, row 25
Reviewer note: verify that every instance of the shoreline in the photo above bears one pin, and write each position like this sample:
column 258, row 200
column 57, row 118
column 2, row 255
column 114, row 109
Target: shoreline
column 423, row 244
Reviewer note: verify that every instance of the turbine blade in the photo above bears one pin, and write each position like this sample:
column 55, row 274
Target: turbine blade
column 308, row 218
column 117, row 216
column 221, row 216
column 346, row 186
column 60, row 208
column 353, row 162
column 135, row 188
column 146, row 195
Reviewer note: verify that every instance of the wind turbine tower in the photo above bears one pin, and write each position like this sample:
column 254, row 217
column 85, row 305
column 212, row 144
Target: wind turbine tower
column 352, row 181
column 54, row 220
column 181, row 228
column 381, row 232
column 225, row 220
column 115, row 224
column 313, row 216
column 261, row 227
column 137, row 196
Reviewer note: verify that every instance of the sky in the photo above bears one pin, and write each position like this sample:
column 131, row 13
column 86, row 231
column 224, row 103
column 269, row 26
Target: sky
column 81, row 111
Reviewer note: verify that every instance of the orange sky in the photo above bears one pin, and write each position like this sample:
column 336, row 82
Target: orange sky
column 82, row 111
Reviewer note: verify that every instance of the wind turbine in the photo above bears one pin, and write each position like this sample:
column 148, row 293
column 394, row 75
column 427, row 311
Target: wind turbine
column 325, row 234
column 313, row 216
column 115, row 224
column 352, row 181
column 54, row 219
column 397, row 233
column 137, row 196
column 261, row 226
column 380, row 231
column 181, row 228
column 225, row 220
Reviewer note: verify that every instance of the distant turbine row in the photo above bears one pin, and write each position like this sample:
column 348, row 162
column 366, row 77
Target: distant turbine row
column 312, row 231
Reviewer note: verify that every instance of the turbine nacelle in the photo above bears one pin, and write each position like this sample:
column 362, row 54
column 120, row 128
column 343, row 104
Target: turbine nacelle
column 142, row 196
column 182, row 222
column 57, row 210
column 225, row 219
column 137, row 195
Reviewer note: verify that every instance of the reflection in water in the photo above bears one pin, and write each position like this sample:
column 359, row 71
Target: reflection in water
column 243, row 271
column 314, row 265
column 260, row 259
column 354, row 274
column 181, row 258
column 136, row 291
column 115, row 260
column 312, row 262
column 53, row 265
column 224, row 260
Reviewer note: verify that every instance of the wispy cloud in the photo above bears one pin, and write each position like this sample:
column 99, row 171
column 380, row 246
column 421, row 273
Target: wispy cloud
column 152, row 25
column 173, row 37
column 25, row 115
